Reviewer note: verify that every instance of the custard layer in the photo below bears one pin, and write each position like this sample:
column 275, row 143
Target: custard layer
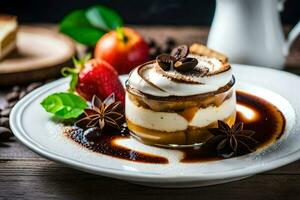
column 172, row 120
column 191, row 135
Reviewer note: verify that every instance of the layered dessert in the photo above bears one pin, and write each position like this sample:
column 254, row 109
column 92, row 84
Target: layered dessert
column 8, row 34
column 173, row 100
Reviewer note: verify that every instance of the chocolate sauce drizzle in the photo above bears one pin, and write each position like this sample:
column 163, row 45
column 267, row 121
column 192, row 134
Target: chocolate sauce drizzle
column 268, row 127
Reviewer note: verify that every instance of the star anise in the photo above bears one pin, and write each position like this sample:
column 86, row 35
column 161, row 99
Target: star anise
column 102, row 114
column 233, row 141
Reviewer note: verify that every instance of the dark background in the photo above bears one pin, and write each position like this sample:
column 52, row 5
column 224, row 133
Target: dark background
column 164, row 12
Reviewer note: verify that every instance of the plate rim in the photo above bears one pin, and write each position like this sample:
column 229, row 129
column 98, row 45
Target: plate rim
column 139, row 176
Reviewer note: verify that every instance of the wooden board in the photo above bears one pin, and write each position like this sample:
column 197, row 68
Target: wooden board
column 40, row 54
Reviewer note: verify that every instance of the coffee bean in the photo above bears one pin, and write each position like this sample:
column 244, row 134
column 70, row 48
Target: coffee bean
column 22, row 94
column 16, row 88
column 166, row 49
column 165, row 61
column 12, row 96
column 170, row 42
column 12, row 104
column 180, row 52
column 33, row 86
column 5, row 133
column 4, row 121
column 48, row 81
column 151, row 43
column 92, row 133
column 155, row 52
column 185, row 64
column 5, row 112
column 152, row 53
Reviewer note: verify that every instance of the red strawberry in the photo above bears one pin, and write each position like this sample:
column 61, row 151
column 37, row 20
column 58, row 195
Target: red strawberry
column 99, row 78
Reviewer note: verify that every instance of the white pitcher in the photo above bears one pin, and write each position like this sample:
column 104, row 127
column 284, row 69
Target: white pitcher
column 250, row 32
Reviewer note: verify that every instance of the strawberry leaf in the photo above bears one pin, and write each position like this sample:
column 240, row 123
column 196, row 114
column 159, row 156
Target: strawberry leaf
column 73, row 82
column 74, row 72
column 64, row 105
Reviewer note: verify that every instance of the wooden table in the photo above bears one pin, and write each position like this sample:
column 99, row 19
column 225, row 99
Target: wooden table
column 26, row 175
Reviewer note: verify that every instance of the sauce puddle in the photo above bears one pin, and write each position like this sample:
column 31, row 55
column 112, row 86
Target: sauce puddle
column 256, row 113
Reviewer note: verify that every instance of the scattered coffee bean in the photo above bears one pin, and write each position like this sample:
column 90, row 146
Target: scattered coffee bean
column 5, row 112
column 92, row 133
column 48, row 81
column 33, row 86
column 5, row 133
column 12, row 104
column 167, row 49
column 170, row 42
column 157, row 51
column 12, row 96
column 152, row 54
column 151, row 43
column 4, row 121
column 22, row 94
column 16, row 88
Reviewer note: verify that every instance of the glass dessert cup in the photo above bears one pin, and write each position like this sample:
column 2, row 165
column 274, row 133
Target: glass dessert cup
column 178, row 121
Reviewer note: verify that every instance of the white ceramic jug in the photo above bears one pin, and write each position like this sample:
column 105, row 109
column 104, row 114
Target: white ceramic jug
column 250, row 32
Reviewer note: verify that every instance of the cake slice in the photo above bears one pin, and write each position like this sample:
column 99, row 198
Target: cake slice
column 8, row 34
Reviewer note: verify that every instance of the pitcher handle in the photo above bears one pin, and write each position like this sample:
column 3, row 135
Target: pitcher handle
column 293, row 34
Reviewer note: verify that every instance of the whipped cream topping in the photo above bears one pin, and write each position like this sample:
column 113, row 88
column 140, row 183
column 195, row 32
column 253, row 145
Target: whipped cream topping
column 209, row 75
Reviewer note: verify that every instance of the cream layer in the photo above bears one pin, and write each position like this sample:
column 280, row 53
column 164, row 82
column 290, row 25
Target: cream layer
column 172, row 122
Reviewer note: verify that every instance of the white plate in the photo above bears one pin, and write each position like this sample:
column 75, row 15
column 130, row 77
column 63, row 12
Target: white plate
column 34, row 127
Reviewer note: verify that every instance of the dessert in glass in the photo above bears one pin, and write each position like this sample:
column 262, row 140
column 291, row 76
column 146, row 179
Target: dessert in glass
column 173, row 101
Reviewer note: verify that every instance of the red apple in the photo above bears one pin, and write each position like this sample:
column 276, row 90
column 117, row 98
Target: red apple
column 123, row 48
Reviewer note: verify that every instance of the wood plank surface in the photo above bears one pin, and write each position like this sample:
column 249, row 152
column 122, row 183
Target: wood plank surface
column 41, row 179
column 26, row 175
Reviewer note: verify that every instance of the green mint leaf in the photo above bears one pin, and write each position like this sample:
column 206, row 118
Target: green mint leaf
column 77, row 26
column 104, row 18
column 64, row 105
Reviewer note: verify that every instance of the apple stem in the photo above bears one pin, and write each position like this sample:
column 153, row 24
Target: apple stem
column 121, row 34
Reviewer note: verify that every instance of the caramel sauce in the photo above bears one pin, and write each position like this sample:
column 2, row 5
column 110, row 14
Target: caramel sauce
column 189, row 113
column 267, row 122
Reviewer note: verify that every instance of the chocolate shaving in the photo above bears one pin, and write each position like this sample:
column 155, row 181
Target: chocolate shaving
column 140, row 71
